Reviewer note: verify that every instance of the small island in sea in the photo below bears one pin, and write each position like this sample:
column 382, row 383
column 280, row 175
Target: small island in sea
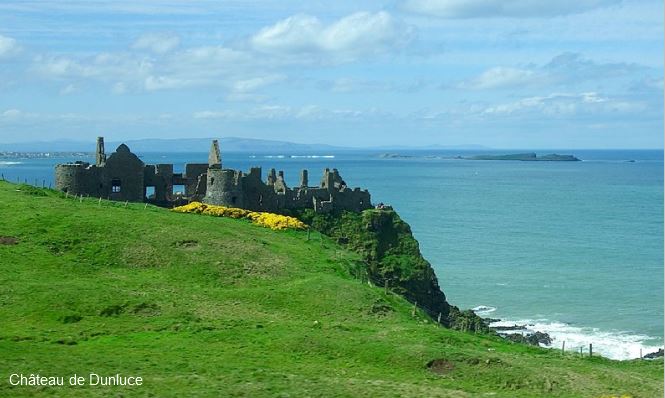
column 527, row 157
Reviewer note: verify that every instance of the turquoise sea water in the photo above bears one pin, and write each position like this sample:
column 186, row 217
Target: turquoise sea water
column 573, row 248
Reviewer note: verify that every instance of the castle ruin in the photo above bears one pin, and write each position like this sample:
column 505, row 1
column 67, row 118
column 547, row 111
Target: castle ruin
column 124, row 177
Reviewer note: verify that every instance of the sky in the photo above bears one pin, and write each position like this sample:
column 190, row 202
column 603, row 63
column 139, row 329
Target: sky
column 499, row 73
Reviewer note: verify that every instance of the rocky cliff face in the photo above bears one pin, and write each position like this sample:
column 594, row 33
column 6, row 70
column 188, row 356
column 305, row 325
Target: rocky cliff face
column 392, row 256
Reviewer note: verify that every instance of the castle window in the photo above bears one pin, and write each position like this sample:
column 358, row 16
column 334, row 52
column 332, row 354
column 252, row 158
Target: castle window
column 150, row 192
column 115, row 185
column 178, row 190
column 234, row 199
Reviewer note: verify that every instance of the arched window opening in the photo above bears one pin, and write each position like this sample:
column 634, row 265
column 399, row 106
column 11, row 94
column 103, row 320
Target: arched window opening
column 115, row 185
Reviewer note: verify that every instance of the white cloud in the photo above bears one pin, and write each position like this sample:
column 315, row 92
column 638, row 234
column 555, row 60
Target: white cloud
column 500, row 77
column 8, row 46
column 565, row 105
column 361, row 33
column 11, row 114
column 158, row 43
column 502, row 8
column 153, row 83
column 255, row 83
column 282, row 112
column 563, row 69
column 241, row 70
column 103, row 67
column 213, row 114
column 68, row 89
column 125, row 71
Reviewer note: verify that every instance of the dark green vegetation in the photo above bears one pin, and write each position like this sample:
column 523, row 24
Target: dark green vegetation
column 393, row 260
column 205, row 306
column 553, row 157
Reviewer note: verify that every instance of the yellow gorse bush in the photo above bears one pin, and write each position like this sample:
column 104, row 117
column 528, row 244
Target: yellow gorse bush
column 268, row 220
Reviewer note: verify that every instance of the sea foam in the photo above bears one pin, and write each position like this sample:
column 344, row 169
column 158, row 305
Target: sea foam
column 612, row 344
column 483, row 310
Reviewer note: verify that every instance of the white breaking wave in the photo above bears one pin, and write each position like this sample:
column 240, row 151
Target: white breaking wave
column 7, row 163
column 313, row 156
column 483, row 309
column 611, row 344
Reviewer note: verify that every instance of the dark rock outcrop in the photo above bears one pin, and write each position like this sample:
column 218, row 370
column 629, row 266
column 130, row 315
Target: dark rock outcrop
column 503, row 328
column 535, row 338
column 393, row 259
column 654, row 355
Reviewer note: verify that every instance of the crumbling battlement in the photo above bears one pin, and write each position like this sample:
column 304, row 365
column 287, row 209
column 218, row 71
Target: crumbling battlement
column 123, row 176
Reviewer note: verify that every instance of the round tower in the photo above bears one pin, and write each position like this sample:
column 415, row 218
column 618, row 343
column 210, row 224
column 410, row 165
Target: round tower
column 224, row 187
column 76, row 179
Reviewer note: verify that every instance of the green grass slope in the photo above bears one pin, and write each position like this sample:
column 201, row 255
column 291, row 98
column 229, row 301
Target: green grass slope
column 204, row 306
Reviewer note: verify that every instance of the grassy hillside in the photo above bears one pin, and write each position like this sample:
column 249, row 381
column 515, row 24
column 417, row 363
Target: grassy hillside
column 204, row 306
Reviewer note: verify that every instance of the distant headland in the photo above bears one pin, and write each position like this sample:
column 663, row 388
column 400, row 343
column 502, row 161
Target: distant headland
column 525, row 157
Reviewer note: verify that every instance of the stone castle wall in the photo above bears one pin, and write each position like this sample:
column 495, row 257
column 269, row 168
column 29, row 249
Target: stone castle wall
column 123, row 176
column 232, row 188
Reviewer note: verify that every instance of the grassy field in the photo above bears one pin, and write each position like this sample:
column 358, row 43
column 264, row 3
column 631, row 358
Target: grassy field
column 205, row 306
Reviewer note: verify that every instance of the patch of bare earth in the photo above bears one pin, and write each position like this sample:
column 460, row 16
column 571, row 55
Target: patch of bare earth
column 8, row 240
column 440, row 366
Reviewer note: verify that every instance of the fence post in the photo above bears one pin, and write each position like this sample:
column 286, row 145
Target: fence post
column 415, row 305
column 590, row 350
column 563, row 347
column 641, row 353
column 438, row 320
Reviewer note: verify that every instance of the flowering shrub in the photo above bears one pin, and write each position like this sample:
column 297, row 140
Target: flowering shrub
column 268, row 220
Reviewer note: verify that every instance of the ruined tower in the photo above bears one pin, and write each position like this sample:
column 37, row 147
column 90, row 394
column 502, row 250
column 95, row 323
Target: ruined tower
column 214, row 157
column 224, row 187
column 100, row 155
column 304, row 179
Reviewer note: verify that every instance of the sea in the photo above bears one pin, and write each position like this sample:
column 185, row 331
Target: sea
column 573, row 249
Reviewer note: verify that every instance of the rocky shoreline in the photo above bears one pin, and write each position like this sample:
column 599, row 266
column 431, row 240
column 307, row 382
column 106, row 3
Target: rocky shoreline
column 519, row 333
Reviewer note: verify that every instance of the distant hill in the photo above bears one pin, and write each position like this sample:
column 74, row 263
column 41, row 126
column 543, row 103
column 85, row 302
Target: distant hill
column 227, row 144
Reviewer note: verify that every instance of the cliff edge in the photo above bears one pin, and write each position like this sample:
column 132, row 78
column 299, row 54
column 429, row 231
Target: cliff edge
column 393, row 259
